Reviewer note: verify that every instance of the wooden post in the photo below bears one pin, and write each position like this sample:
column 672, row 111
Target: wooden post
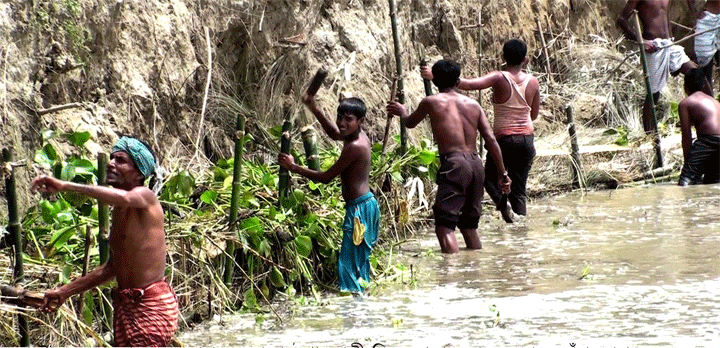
column 15, row 230
column 545, row 51
column 426, row 82
column 575, row 149
column 653, row 119
column 398, row 69
column 481, row 151
column 235, row 197
column 104, row 236
column 393, row 94
column 86, row 264
column 309, row 143
column 284, row 174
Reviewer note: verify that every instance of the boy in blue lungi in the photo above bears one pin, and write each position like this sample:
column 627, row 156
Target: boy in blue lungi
column 362, row 216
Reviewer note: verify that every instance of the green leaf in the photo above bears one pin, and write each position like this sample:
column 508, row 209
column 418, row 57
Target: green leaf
column 249, row 299
column 208, row 196
column 275, row 131
column 312, row 185
column 68, row 172
column 264, row 248
column 252, row 224
column 78, row 138
column 304, row 245
column 276, row 278
column 426, row 157
column 61, row 237
column 65, row 274
column 227, row 182
column 48, row 211
column 87, row 313
column 610, row 131
column 219, row 174
column 186, row 183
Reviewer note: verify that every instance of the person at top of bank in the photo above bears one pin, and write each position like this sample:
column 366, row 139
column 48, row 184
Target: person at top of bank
column 707, row 41
column 455, row 120
column 664, row 57
column 145, row 307
column 516, row 104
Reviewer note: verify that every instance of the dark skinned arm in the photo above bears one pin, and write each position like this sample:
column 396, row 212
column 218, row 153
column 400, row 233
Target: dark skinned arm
column 55, row 298
column 486, row 81
column 347, row 157
column 328, row 126
column 412, row 120
column 623, row 20
column 138, row 197
column 693, row 9
column 535, row 103
column 685, row 130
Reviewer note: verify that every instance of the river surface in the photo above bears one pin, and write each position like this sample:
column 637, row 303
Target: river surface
column 635, row 267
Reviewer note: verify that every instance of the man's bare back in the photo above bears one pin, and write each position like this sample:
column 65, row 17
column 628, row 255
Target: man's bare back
column 454, row 119
column 703, row 112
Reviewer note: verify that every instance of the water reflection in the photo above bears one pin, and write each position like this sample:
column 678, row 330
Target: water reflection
column 653, row 279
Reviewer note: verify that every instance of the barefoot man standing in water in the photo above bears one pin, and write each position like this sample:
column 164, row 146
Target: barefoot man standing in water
column 663, row 57
column 146, row 310
column 455, row 120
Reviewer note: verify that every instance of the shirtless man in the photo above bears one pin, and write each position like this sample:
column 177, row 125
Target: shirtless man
column 516, row 104
column 699, row 110
column 146, row 309
column 455, row 120
column 656, row 35
column 706, row 44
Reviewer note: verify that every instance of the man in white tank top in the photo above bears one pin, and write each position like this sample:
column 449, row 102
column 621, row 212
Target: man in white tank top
column 516, row 103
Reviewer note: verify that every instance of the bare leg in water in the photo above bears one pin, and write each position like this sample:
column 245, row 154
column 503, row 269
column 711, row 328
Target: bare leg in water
column 448, row 243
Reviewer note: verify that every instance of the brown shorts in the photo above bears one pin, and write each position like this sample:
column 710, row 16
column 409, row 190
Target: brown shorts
column 460, row 190
column 145, row 317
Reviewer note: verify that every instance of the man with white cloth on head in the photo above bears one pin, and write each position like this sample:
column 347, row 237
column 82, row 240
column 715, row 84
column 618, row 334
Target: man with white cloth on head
column 663, row 57
column 708, row 40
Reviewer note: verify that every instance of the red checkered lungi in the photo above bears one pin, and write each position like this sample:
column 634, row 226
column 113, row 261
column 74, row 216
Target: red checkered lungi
column 146, row 317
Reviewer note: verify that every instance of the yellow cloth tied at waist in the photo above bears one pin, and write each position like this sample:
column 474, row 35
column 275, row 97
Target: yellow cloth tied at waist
column 358, row 231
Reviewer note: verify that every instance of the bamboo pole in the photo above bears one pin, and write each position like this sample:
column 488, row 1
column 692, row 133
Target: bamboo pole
column 235, row 197
column 15, row 230
column 575, row 149
column 480, row 52
column 86, row 263
column 284, row 174
column 653, row 119
column 311, row 154
column 426, row 82
column 104, row 236
column 398, row 68
column 545, row 51
column 388, row 122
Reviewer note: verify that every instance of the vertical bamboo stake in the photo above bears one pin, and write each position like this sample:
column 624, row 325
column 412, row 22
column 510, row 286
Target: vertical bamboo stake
column 284, row 175
column 426, row 82
column 545, row 51
column 86, row 264
column 398, row 68
column 235, row 197
column 104, row 236
column 480, row 59
column 643, row 58
column 575, row 149
column 393, row 93
column 15, row 230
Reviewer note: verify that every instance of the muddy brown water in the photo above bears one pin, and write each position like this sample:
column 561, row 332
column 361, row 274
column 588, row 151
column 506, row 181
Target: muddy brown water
column 651, row 257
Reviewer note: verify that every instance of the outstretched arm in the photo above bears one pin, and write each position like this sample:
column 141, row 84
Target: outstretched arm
column 329, row 126
column 55, row 298
column 486, row 81
column 412, row 120
column 494, row 149
column 623, row 20
column 138, row 197
column 347, row 157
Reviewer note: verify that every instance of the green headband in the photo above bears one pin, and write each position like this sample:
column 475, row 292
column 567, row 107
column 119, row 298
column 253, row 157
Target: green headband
column 140, row 154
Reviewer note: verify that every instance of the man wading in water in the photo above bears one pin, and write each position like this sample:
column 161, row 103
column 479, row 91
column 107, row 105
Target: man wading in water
column 455, row 120
column 146, row 309
column 699, row 110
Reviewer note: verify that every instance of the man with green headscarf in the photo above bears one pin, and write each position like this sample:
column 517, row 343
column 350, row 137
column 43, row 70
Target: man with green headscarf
column 146, row 310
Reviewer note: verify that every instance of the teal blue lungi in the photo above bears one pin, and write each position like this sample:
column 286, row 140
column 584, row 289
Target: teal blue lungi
column 354, row 259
